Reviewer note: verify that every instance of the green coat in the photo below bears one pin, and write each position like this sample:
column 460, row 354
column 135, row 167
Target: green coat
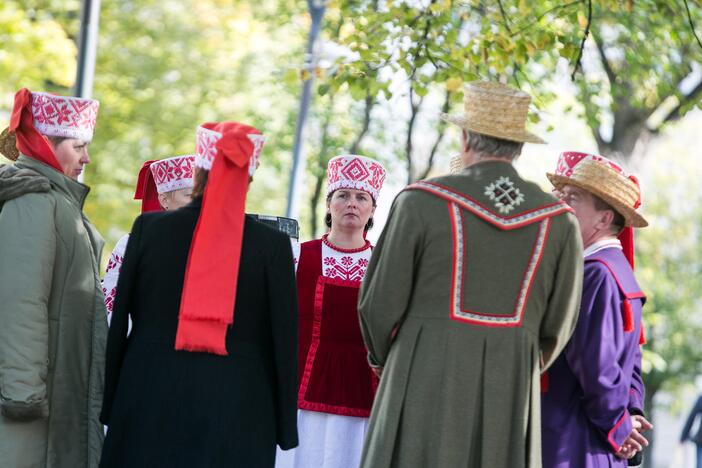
column 53, row 325
column 480, row 301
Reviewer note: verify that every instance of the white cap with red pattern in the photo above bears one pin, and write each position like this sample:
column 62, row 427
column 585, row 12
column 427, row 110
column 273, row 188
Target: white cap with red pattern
column 207, row 150
column 569, row 159
column 355, row 172
column 64, row 116
column 173, row 173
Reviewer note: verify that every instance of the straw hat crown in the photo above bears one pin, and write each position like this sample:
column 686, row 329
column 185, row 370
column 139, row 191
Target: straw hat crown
column 495, row 110
column 603, row 180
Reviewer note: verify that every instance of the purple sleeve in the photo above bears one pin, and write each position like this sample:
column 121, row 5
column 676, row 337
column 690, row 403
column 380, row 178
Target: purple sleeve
column 592, row 356
column 637, row 391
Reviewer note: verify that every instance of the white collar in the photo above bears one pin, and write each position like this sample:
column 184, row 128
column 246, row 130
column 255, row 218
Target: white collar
column 601, row 245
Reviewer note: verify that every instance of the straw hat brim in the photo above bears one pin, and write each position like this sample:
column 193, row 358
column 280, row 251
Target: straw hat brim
column 519, row 136
column 8, row 147
column 631, row 217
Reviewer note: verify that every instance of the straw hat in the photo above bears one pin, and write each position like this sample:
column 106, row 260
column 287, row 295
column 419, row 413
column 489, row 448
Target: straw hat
column 7, row 145
column 604, row 180
column 495, row 110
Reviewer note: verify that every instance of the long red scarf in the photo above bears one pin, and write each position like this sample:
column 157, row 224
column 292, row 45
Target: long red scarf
column 209, row 291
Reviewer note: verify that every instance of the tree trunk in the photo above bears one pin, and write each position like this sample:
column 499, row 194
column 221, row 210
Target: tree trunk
column 314, row 202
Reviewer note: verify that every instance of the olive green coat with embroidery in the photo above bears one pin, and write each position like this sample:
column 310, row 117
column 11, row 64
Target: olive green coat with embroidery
column 53, row 324
column 473, row 288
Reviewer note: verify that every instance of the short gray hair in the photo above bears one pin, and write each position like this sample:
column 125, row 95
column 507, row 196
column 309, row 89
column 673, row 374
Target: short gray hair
column 487, row 146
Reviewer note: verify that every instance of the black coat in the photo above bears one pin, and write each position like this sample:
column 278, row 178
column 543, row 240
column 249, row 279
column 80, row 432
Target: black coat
column 168, row 408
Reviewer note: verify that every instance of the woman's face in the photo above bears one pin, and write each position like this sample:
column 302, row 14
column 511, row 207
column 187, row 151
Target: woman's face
column 350, row 209
column 72, row 155
column 176, row 199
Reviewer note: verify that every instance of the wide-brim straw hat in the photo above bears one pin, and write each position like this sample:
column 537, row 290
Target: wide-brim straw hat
column 619, row 191
column 495, row 110
column 8, row 147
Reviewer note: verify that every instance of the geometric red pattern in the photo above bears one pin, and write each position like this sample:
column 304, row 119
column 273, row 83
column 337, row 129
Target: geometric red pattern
column 567, row 161
column 173, row 173
column 355, row 172
column 64, row 116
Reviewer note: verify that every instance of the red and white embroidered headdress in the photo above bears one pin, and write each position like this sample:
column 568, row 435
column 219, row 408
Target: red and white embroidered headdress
column 207, row 148
column 355, row 172
column 173, row 173
column 568, row 160
column 607, row 180
column 64, row 116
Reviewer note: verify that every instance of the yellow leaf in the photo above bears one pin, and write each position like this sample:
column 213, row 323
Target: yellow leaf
column 453, row 84
column 582, row 19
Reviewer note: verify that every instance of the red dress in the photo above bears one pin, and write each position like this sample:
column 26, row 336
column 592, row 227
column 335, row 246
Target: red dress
column 334, row 374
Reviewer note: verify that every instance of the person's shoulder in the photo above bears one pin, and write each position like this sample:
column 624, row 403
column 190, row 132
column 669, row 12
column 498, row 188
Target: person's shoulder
column 596, row 272
column 265, row 232
column 311, row 244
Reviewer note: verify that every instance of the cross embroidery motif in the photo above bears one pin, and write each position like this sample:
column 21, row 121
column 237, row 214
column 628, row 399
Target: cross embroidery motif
column 505, row 195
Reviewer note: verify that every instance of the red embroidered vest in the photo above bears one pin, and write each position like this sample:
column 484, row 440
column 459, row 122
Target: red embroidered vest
column 334, row 374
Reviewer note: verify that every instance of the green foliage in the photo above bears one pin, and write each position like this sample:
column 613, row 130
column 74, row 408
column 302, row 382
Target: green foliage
column 669, row 268
column 36, row 51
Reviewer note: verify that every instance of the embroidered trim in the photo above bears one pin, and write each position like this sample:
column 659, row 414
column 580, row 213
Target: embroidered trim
column 339, row 249
column 505, row 195
column 481, row 318
column 610, row 439
column 302, row 403
column 503, row 222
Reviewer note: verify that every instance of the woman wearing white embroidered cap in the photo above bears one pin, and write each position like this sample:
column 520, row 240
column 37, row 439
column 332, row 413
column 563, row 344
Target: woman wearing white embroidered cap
column 52, row 318
column 162, row 185
column 337, row 386
column 208, row 375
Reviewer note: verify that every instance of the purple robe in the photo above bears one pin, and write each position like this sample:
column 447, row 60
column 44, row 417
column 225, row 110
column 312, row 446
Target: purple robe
column 595, row 384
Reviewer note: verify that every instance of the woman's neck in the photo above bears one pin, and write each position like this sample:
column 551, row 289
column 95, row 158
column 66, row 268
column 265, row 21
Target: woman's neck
column 346, row 239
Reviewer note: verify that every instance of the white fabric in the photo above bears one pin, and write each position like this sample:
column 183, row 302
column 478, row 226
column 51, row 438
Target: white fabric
column 296, row 252
column 326, row 441
column 109, row 282
column 206, row 149
column 349, row 266
column 601, row 245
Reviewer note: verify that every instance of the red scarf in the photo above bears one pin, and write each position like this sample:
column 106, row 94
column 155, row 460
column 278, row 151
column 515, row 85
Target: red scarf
column 29, row 141
column 146, row 189
column 209, row 290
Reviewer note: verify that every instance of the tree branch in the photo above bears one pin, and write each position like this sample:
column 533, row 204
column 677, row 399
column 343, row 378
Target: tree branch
column 542, row 15
column 370, row 103
column 692, row 25
column 582, row 44
column 504, row 17
column 439, row 138
column 676, row 112
column 611, row 76
column 414, row 108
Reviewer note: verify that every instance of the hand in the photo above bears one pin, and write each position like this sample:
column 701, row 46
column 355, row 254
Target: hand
column 645, row 425
column 635, row 442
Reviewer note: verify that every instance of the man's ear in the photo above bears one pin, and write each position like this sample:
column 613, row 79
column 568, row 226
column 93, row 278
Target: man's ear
column 606, row 219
